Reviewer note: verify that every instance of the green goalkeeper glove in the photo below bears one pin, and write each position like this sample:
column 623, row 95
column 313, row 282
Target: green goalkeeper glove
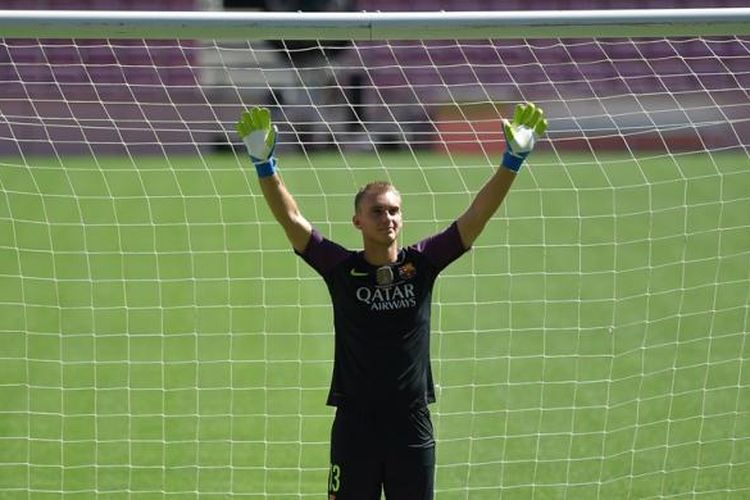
column 521, row 134
column 259, row 135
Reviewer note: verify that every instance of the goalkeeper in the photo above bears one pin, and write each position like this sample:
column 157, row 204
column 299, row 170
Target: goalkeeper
column 382, row 436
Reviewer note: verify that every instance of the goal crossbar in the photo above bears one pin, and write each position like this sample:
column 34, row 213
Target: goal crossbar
column 374, row 25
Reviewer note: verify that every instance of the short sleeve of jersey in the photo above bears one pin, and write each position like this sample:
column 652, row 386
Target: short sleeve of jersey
column 323, row 254
column 442, row 248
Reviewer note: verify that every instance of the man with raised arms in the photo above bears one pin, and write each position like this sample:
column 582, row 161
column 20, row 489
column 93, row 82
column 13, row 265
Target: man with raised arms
column 382, row 436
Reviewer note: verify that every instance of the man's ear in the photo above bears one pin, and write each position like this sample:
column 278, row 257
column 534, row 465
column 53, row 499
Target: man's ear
column 355, row 221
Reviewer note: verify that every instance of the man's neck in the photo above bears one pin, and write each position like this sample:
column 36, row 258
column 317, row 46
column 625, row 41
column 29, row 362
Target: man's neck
column 378, row 255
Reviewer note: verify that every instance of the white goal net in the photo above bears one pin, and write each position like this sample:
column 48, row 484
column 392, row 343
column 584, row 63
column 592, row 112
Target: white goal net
column 159, row 337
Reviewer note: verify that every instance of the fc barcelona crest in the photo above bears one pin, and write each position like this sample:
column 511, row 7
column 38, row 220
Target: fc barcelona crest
column 407, row 271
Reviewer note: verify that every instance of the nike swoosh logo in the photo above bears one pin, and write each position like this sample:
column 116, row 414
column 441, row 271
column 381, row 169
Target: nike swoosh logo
column 358, row 274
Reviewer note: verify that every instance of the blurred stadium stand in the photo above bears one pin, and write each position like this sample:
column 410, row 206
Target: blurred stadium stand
column 64, row 97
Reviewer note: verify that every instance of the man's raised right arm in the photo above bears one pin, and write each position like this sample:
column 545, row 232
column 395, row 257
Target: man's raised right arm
column 259, row 135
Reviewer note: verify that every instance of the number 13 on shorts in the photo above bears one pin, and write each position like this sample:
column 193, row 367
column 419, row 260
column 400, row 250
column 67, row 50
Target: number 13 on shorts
column 334, row 481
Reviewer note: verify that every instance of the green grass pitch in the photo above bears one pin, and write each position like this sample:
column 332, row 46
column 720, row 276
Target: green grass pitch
column 160, row 339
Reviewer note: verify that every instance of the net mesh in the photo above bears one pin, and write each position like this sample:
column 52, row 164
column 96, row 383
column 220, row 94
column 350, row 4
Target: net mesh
column 159, row 336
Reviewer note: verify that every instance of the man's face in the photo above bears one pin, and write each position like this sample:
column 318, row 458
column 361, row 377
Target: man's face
column 379, row 216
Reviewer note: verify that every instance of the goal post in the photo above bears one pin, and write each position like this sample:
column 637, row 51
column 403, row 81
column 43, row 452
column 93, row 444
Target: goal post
column 375, row 25
column 159, row 337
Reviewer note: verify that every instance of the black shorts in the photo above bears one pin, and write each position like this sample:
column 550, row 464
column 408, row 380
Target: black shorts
column 374, row 451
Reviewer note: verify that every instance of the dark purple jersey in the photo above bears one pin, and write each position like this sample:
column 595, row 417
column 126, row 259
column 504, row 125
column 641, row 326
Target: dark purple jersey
column 382, row 319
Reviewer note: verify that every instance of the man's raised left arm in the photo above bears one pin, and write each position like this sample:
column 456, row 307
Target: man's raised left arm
column 521, row 135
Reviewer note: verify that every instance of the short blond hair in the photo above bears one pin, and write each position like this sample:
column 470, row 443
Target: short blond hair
column 374, row 187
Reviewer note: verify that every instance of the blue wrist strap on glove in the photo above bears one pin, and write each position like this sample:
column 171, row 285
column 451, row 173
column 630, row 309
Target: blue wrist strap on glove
column 265, row 168
column 513, row 161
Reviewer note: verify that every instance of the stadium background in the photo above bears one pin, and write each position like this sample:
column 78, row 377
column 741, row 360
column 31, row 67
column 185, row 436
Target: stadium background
column 78, row 92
